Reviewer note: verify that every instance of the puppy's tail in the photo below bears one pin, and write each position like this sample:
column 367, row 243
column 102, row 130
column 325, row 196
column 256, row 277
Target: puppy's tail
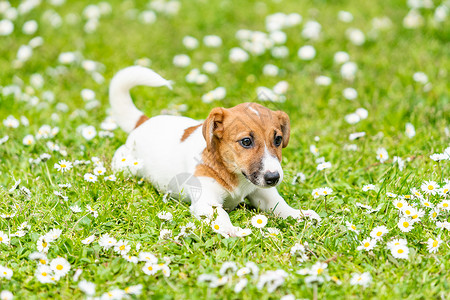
column 124, row 111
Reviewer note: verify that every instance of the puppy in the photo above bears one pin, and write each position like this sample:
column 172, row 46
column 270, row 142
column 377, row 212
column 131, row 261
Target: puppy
column 214, row 164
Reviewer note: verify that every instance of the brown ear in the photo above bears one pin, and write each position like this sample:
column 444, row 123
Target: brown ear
column 213, row 126
column 285, row 124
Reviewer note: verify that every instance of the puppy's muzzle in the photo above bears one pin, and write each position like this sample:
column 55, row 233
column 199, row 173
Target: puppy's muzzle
column 271, row 178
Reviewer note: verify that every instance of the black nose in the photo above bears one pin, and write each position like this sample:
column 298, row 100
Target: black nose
column 271, row 178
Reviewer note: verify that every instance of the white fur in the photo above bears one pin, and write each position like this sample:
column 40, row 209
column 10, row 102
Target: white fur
column 157, row 144
column 123, row 109
column 271, row 164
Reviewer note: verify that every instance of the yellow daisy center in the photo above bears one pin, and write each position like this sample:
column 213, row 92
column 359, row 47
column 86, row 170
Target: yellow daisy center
column 435, row 243
column 259, row 221
column 122, row 247
column 1, row 239
column 400, row 251
column 42, row 261
column 319, row 271
column 324, row 192
column 59, row 267
column 366, row 244
column 405, row 224
column 426, row 204
column 44, row 274
column 434, row 214
column 44, row 244
column 216, row 227
column 400, row 205
column 408, row 212
column 150, row 268
column 430, row 187
column 63, row 166
column 124, row 159
column 379, row 233
column 353, row 227
column 445, row 205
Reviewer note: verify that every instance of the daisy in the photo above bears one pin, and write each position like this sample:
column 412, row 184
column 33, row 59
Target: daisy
column 433, row 245
column 445, row 189
column 87, row 287
column 417, row 215
column 165, row 270
column 240, row 285
column 60, row 266
column 63, row 166
column 130, row 258
column 391, row 195
column 148, row 257
column 53, row 234
column 89, row 132
column 111, row 178
column 41, row 258
column 150, row 268
column 135, row 164
column 326, row 191
column 427, row 203
column 314, row 150
column 28, row 140
column 408, row 211
column 99, row 171
column 92, row 211
column 42, row 244
column 368, row 187
column 434, row 213
column 405, row 224
column 90, row 177
column 367, row 244
column 416, row 193
column 122, row 247
column 134, row 289
column 273, row 232
column 43, row 274
column 429, row 187
column 445, row 205
column 323, row 166
column 378, row 232
column 6, row 272
column 382, row 155
column 6, row 295
column 396, row 242
column 88, row 240
column 114, row 294
column 363, row 279
column 106, row 241
column 351, row 227
column 400, row 204
column 243, row 232
column 400, row 251
column 259, row 221
column 4, row 239
column 318, row 268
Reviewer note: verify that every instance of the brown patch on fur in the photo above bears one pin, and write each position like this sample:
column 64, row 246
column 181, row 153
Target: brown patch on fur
column 224, row 158
column 188, row 131
column 141, row 120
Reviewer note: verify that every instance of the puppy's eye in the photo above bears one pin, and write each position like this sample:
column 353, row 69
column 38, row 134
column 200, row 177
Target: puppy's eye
column 246, row 142
column 277, row 141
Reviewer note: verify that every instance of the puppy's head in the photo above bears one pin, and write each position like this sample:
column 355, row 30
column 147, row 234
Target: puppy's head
column 248, row 138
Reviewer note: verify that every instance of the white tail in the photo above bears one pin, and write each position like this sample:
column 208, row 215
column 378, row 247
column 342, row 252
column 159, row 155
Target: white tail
column 123, row 109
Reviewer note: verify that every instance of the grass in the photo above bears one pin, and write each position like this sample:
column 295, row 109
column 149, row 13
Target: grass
column 128, row 209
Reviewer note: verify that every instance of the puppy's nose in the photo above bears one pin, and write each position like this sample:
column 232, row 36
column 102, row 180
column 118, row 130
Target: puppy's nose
column 271, row 178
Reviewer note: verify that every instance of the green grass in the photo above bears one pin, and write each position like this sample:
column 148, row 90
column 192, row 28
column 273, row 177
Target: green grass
column 128, row 210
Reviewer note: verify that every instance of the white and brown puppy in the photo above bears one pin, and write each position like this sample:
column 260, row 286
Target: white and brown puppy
column 234, row 154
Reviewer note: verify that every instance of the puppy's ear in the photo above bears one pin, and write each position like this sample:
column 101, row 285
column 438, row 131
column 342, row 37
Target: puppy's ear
column 285, row 125
column 213, row 126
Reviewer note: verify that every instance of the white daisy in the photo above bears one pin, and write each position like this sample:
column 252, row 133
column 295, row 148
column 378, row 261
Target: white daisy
column 400, row 251
column 259, row 221
column 88, row 240
column 4, row 238
column 60, row 266
column 363, row 279
column 382, row 155
column 150, row 268
column 122, row 247
column 351, row 227
column 396, row 242
column 90, row 177
column 378, row 232
column 429, row 187
column 367, row 244
column 63, row 166
column 433, row 245
column 405, row 224
column 99, row 171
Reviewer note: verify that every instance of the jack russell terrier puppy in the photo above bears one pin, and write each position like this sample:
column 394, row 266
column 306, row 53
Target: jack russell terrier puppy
column 234, row 154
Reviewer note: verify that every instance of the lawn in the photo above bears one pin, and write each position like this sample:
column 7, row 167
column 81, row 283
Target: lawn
column 366, row 86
